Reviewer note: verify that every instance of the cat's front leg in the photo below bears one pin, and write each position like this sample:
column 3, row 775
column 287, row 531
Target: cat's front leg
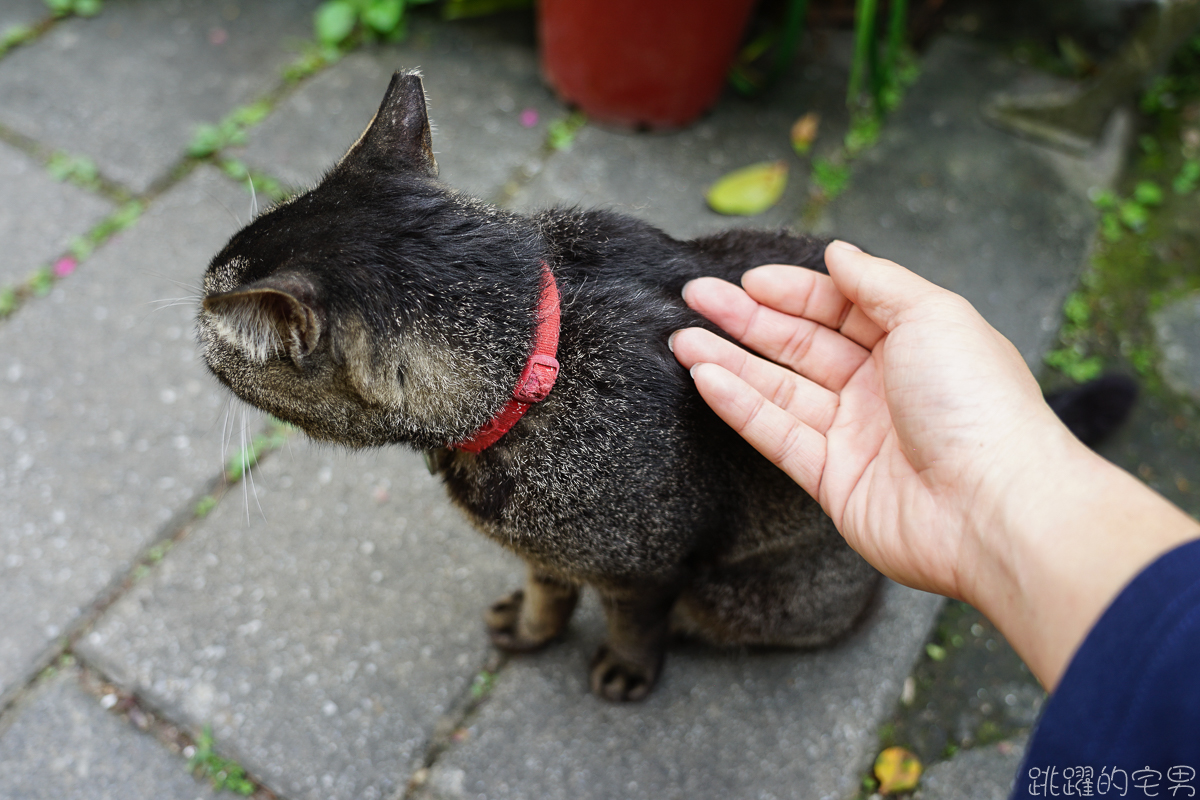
column 530, row 618
column 628, row 664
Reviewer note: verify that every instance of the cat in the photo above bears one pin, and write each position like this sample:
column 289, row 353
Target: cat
column 383, row 307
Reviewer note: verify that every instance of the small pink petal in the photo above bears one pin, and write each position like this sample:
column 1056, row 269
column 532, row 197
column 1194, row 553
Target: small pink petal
column 217, row 36
column 64, row 267
column 529, row 118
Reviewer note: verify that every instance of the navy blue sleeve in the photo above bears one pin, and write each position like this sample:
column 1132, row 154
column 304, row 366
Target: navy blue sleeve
column 1125, row 719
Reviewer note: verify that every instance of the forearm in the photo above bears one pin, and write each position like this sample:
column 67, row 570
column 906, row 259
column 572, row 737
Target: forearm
column 1060, row 545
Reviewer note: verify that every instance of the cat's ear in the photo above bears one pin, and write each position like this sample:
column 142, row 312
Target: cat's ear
column 398, row 136
column 277, row 315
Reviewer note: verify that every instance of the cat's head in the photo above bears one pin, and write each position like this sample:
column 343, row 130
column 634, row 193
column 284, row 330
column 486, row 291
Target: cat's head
column 380, row 306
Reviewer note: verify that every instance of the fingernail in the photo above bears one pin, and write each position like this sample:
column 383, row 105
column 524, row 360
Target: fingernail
column 838, row 243
column 671, row 341
column 684, row 291
column 692, row 370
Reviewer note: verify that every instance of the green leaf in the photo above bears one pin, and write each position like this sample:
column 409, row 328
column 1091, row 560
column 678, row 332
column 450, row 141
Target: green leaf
column 8, row 300
column 936, row 652
column 1105, row 200
column 88, row 8
column 562, row 132
column 383, row 16
column 1188, row 178
column 1134, row 215
column 1076, row 309
column 41, row 282
column 80, row 247
column 749, row 190
column 830, row 178
column 334, row 20
column 251, row 114
column 864, row 132
column 235, row 169
column 1148, row 193
column 1110, row 228
column 59, row 7
column 207, row 140
column 204, row 505
column 13, row 36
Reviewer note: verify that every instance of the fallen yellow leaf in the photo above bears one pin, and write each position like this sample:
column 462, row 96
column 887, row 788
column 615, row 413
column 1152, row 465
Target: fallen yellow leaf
column 804, row 132
column 749, row 190
column 897, row 770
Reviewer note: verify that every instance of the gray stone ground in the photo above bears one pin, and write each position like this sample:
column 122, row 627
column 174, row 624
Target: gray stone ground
column 325, row 620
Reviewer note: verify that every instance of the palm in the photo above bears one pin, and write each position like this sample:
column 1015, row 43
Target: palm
column 882, row 430
column 869, row 485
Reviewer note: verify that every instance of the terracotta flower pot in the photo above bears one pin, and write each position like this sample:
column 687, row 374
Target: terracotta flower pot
column 640, row 63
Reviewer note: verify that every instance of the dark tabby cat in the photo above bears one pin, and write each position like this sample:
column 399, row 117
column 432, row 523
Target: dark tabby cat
column 384, row 307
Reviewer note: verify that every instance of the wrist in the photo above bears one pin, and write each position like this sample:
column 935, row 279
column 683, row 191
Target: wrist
column 1067, row 534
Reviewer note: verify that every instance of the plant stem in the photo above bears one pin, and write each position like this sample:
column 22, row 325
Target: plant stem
column 793, row 29
column 864, row 47
column 897, row 28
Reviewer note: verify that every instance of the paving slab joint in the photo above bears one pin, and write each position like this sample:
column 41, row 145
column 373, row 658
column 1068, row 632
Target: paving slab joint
column 169, row 533
column 97, row 184
column 454, row 724
column 187, row 745
column 21, row 35
column 521, row 176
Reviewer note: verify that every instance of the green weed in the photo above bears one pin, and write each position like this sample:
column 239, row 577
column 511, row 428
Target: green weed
column 274, row 437
column 223, row 773
column 15, row 35
column 204, row 506
column 562, row 132
column 337, row 23
column 209, row 138
column 482, row 684
column 82, row 8
column 829, row 177
column 80, row 170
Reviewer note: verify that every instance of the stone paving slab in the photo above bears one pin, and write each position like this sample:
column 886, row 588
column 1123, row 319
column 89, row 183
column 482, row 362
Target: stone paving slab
column 62, row 744
column 720, row 724
column 131, row 85
column 109, row 424
column 983, row 213
column 479, row 78
column 983, row 773
column 39, row 215
column 662, row 178
column 1177, row 330
column 322, row 636
column 22, row 12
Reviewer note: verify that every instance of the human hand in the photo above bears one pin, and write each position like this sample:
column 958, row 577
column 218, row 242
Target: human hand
column 924, row 436
column 889, row 399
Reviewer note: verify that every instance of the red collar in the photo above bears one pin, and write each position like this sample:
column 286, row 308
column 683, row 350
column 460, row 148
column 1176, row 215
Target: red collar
column 537, row 379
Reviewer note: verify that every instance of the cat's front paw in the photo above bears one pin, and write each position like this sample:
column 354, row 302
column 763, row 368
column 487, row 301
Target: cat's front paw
column 619, row 679
column 506, row 629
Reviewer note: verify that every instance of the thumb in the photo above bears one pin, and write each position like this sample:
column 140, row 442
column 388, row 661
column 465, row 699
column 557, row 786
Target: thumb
column 882, row 289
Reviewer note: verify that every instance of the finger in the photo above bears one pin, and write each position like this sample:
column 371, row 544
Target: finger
column 810, row 295
column 785, row 441
column 882, row 289
column 722, row 303
column 818, row 353
column 806, row 401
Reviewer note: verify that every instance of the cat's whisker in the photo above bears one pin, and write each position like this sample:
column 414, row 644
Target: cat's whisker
column 171, row 302
column 226, row 434
column 245, row 469
column 232, row 215
column 253, row 197
column 191, row 286
column 254, row 491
